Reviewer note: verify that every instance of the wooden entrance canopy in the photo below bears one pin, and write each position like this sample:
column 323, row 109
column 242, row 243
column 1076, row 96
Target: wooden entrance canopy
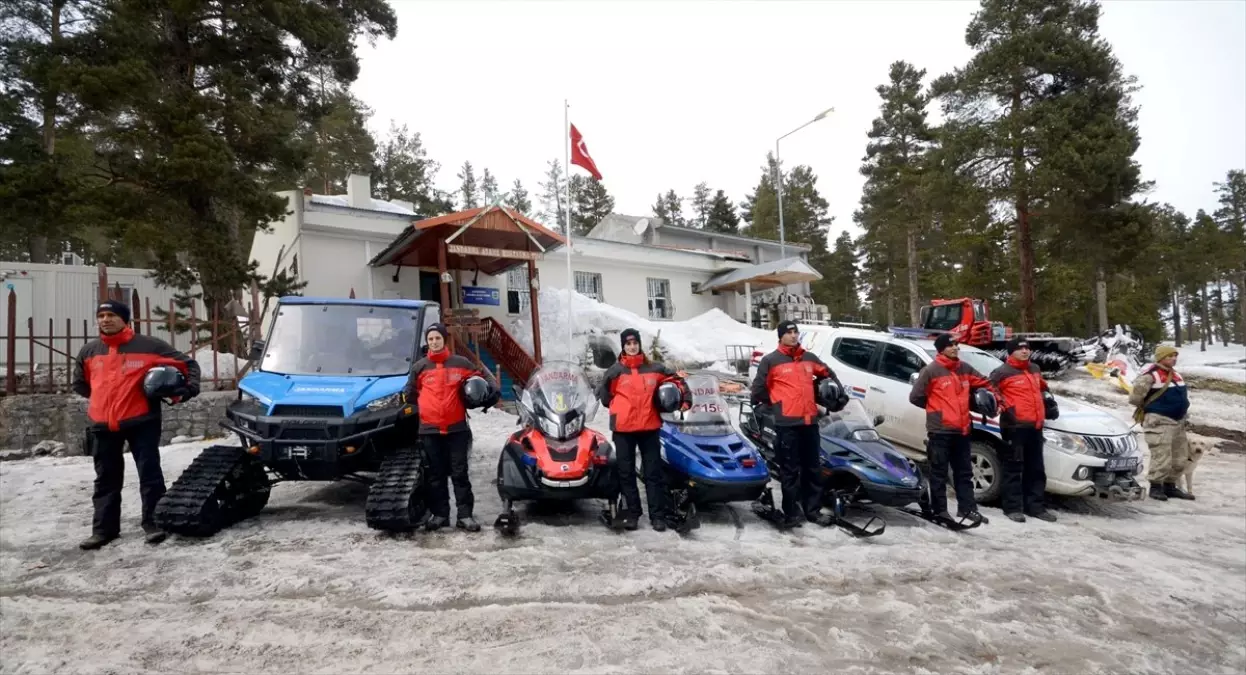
column 491, row 239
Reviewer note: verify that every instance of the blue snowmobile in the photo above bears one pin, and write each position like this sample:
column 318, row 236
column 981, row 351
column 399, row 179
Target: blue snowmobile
column 858, row 466
column 706, row 461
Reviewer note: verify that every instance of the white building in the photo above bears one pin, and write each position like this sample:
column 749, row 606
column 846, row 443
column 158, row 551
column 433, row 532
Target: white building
column 353, row 243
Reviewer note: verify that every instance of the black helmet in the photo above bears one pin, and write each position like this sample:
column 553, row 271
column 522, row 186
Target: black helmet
column 984, row 403
column 831, row 396
column 475, row 392
column 1050, row 410
column 668, row 397
column 163, row 381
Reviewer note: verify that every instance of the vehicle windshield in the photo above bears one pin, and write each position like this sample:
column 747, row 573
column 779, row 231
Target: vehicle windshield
column 980, row 361
column 560, row 386
column 341, row 339
column 854, row 422
column 708, row 414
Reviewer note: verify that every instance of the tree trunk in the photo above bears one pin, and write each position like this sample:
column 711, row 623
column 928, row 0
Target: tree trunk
column 891, row 305
column 1176, row 315
column 915, row 304
column 1206, row 332
column 1025, row 241
column 1189, row 323
column 1101, row 297
column 1241, row 306
column 1224, row 312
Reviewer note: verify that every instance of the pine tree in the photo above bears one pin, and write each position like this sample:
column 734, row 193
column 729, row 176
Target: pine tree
column 838, row 288
column 1034, row 91
column 404, row 171
column 517, row 199
column 489, row 192
column 722, row 216
column 339, row 144
column 701, row 204
column 760, row 209
column 669, row 209
column 469, row 193
column 591, row 203
column 1231, row 217
column 553, row 214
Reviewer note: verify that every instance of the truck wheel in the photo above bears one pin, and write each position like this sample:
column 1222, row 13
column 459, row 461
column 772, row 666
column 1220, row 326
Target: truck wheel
column 987, row 471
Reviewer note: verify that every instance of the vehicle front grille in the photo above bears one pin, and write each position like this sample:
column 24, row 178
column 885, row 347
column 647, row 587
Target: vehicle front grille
column 307, row 411
column 1111, row 446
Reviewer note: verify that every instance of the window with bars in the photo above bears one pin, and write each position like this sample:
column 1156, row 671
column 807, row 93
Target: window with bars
column 660, row 299
column 589, row 284
column 518, row 293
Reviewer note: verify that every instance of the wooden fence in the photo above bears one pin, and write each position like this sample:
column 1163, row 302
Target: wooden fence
column 221, row 354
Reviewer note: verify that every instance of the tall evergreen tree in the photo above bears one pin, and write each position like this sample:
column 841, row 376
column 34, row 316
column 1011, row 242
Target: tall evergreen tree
column 517, row 199
column 194, row 106
column 553, row 214
column 339, row 144
column 1231, row 217
column 701, row 205
column 469, row 192
column 1020, row 103
column 590, row 204
column 404, row 171
column 489, row 191
column 839, row 288
column 669, row 208
column 722, row 216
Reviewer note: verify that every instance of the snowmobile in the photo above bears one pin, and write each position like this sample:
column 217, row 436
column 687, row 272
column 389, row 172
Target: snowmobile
column 705, row 460
column 554, row 456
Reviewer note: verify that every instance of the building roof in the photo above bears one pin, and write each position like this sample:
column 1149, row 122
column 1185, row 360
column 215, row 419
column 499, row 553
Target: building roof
column 616, row 220
column 380, row 205
column 765, row 275
column 492, row 239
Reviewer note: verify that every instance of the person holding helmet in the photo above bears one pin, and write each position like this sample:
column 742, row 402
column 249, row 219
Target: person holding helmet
column 443, row 386
column 630, row 390
column 789, row 382
column 1024, row 480
column 111, row 372
column 949, row 389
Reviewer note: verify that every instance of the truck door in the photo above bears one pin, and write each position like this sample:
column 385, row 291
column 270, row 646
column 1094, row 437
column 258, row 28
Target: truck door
column 904, row 422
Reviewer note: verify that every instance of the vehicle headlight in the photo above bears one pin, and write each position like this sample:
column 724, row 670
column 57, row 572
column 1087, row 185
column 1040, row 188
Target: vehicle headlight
column 1069, row 444
column 865, row 435
column 574, row 426
column 391, row 401
column 248, row 398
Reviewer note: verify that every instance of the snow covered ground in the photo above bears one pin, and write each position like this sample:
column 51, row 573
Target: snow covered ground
column 306, row 587
column 1218, row 362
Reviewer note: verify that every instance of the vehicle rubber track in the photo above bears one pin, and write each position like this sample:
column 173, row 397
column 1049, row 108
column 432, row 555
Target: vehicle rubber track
column 222, row 486
column 396, row 498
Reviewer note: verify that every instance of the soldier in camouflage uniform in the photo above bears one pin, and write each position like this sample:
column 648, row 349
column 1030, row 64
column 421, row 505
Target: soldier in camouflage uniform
column 1161, row 402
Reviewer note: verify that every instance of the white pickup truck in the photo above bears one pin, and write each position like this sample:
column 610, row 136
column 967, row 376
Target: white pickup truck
column 1088, row 451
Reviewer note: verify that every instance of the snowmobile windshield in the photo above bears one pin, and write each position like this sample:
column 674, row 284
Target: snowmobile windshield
column 853, row 423
column 341, row 340
column 559, row 399
column 708, row 414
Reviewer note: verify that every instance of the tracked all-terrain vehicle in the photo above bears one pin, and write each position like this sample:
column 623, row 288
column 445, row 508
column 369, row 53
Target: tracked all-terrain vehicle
column 323, row 403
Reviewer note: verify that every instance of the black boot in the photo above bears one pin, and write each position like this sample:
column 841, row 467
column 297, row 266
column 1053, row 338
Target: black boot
column 973, row 516
column 630, row 522
column 659, row 524
column 1044, row 515
column 1157, row 492
column 469, row 523
column 95, row 541
column 435, row 523
column 155, row 535
column 1016, row 516
column 1175, row 492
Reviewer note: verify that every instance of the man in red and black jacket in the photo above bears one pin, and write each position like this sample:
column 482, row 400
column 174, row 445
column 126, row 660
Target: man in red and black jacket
column 628, row 390
column 109, row 373
column 435, row 385
column 1024, row 480
column 943, row 388
column 786, row 383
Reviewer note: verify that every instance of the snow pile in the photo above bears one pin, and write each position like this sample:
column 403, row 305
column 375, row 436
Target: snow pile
column 1219, row 362
column 701, row 339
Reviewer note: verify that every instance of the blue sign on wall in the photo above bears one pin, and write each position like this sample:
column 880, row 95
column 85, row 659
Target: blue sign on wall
column 481, row 295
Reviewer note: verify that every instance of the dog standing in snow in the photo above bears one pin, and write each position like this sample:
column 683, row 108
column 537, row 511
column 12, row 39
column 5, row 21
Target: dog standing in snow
column 1199, row 446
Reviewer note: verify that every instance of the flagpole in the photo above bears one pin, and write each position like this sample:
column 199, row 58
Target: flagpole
column 566, row 139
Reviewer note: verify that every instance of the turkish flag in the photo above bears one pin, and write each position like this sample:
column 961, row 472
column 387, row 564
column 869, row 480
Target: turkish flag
column 579, row 153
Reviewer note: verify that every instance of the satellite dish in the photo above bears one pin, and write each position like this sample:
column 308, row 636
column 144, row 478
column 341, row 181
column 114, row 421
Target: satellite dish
column 640, row 226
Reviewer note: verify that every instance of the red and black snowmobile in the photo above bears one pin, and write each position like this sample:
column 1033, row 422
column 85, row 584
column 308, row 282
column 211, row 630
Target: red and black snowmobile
column 555, row 456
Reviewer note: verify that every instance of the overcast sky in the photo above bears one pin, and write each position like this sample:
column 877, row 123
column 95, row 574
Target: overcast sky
column 668, row 94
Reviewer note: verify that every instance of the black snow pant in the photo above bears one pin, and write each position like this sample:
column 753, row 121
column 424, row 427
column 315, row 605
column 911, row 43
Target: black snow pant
column 108, row 451
column 447, row 458
column 650, row 445
column 800, row 469
column 1024, row 480
column 950, row 449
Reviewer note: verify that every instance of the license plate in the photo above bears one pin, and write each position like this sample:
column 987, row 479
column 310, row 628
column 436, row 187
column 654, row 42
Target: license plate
column 1121, row 463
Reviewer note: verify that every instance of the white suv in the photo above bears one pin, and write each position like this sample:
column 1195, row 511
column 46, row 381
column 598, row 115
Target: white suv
column 1088, row 451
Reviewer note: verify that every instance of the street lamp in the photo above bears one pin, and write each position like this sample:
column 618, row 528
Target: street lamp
column 778, row 178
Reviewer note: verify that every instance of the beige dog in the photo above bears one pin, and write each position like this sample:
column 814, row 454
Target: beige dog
column 1199, row 445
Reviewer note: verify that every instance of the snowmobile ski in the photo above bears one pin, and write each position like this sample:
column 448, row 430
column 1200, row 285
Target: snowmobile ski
column 838, row 519
column 952, row 524
column 765, row 509
column 508, row 521
column 685, row 518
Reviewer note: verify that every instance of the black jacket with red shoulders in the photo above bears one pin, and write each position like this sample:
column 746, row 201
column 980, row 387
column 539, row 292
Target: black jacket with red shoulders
column 109, row 372
column 628, row 391
column 943, row 388
column 434, row 386
column 785, row 380
column 1022, row 384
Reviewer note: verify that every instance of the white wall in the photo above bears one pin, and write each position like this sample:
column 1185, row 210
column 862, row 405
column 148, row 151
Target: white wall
column 60, row 292
column 267, row 246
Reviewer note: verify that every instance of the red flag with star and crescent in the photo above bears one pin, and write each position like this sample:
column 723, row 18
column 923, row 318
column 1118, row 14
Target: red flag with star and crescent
column 579, row 153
